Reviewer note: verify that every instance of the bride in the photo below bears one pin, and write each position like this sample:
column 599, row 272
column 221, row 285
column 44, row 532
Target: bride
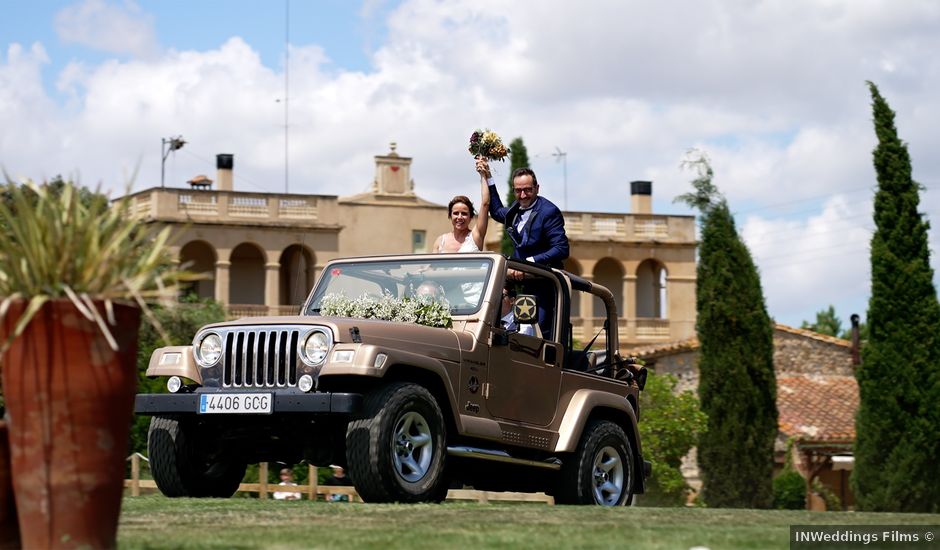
column 460, row 211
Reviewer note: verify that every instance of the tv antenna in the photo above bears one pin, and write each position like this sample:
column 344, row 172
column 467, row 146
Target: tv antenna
column 167, row 146
column 563, row 157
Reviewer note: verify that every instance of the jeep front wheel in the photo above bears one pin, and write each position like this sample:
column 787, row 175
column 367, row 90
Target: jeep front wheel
column 180, row 471
column 396, row 452
column 601, row 470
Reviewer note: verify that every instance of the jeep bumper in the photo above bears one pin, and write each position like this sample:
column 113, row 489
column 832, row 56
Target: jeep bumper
column 323, row 403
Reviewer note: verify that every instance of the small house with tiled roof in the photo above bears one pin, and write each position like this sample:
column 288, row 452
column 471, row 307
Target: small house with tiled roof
column 817, row 397
column 817, row 413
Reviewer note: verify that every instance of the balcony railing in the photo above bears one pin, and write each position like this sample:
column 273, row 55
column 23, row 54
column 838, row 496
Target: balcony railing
column 593, row 226
column 185, row 204
column 633, row 331
column 237, row 311
column 587, row 226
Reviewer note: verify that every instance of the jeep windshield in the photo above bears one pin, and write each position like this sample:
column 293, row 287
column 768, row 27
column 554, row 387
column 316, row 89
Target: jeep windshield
column 457, row 282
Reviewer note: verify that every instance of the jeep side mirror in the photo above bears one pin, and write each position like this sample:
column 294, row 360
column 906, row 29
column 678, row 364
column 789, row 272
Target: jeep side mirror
column 632, row 369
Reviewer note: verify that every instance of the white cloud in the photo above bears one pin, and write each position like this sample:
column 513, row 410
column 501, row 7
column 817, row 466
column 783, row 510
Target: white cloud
column 808, row 264
column 120, row 29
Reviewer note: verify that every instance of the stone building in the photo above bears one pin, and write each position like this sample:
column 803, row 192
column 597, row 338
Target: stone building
column 817, row 398
column 262, row 252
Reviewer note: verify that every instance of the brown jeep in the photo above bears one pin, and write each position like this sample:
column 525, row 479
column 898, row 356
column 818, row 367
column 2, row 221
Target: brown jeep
column 488, row 401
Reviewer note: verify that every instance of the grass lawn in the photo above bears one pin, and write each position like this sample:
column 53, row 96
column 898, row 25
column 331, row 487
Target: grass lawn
column 157, row 522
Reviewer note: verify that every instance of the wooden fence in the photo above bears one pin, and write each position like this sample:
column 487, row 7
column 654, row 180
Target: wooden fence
column 315, row 491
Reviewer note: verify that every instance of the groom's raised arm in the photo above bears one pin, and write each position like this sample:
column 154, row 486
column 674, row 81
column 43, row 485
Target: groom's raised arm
column 497, row 210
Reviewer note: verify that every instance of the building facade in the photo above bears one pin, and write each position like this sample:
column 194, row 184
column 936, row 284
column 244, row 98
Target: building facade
column 260, row 253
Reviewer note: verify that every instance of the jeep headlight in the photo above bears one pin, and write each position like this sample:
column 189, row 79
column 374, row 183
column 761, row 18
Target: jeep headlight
column 209, row 350
column 315, row 347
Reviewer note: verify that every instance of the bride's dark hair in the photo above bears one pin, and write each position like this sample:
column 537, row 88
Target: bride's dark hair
column 458, row 199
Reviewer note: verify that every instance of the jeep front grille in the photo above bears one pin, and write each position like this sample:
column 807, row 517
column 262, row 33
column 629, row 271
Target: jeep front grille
column 257, row 358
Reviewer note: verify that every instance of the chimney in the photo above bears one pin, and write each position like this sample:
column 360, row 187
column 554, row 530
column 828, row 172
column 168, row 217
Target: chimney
column 856, row 358
column 641, row 197
column 224, row 163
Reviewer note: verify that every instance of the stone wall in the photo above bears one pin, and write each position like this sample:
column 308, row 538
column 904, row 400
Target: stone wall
column 799, row 354
column 683, row 365
column 796, row 352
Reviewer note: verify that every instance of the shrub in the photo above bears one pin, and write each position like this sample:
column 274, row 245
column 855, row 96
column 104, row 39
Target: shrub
column 672, row 422
column 789, row 491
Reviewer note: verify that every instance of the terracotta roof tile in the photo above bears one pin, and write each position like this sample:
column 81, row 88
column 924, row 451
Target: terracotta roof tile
column 818, row 409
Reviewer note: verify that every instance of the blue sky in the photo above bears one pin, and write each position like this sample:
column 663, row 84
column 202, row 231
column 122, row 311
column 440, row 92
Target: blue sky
column 773, row 91
column 347, row 31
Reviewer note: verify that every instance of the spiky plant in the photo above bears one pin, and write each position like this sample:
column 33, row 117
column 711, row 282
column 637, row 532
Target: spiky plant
column 54, row 245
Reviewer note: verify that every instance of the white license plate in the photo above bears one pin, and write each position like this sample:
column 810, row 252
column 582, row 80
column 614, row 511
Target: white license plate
column 235, row 403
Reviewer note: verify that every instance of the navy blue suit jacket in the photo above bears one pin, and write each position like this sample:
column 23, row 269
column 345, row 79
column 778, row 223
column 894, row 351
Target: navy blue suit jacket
column 542, row 238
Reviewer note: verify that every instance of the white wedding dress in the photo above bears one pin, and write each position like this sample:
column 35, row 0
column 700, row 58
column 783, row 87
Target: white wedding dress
column 468, row 245
column 471, row 291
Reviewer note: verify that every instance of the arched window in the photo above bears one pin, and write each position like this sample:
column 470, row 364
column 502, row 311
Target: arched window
column 297, row 274
column 651, row 290
column 609, row 273
column 246, row 275
column 199, row 257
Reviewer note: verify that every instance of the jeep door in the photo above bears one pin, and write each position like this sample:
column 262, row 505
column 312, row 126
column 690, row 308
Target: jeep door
column 525, row 374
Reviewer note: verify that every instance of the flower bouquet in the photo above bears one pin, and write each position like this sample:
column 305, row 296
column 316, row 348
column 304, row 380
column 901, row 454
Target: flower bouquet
column 487, row 144
column 422, row 310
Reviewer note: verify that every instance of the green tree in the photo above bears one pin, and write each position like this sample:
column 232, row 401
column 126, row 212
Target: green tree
column 86, row 196
column 518, row 158
column 897, row 451
column 181, row 321
column 737, row 384
column 672, row 424
column 827, row 322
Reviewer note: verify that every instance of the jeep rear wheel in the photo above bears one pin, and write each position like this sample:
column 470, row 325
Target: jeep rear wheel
column 177, row 467
column 601, row 470
column 396, row 452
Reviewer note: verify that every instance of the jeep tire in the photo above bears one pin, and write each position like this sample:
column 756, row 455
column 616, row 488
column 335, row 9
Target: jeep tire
column 395, row 452
column 601, row 471
column 177, row 467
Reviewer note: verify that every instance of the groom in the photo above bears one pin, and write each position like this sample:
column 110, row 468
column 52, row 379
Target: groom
column 534, row 223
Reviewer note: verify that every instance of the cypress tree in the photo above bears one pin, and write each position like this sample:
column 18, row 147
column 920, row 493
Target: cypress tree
column 897, row 446
column 518, row 158
column 737, row 384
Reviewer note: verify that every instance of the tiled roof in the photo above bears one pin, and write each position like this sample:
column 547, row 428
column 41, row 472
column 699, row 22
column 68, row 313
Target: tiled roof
column 652, row 351
column 818, row 409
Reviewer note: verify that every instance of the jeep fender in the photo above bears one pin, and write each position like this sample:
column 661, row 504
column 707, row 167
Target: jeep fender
column 438, row 369
column 579, row 409
column 174, row 361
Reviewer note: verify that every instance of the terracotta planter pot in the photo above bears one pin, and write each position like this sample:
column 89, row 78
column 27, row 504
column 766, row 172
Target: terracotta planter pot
column 69, row 399
column 9, row 529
